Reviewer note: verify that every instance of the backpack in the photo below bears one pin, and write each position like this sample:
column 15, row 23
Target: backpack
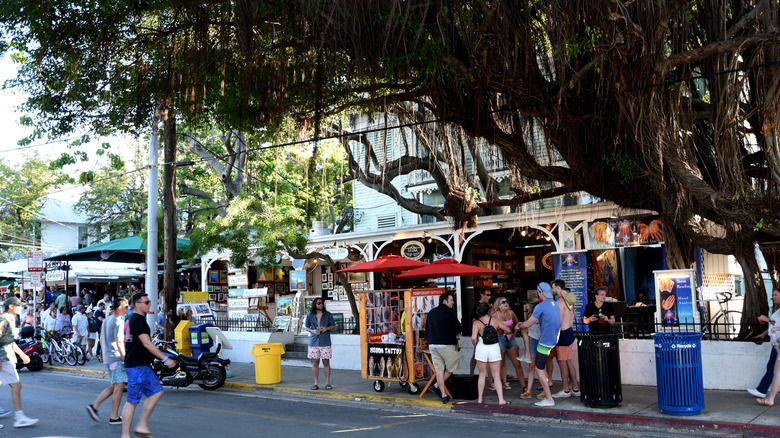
column 93, row 325
column 489, row 333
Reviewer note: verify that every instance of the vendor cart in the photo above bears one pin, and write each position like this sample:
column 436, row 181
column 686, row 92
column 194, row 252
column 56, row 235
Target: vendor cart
column 394, row 336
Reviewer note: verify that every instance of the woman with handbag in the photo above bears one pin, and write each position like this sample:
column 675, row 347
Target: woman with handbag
column 484, row 336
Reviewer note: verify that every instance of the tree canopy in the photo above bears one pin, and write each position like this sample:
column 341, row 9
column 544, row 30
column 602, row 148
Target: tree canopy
column 666, row 105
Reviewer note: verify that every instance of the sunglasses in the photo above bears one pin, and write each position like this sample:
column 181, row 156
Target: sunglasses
column 144, row 302
column 503, row 302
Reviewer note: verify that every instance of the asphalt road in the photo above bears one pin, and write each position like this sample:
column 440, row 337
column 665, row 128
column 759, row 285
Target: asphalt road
column 59, row 400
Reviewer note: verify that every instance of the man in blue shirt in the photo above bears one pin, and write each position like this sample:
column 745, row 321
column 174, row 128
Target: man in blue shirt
column 549, row 317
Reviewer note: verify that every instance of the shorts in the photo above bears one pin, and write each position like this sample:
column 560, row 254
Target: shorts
column 566, row 337
column 534, row 345
column 320, row 352
column 506, row 343
column 81, row 340
column 487, row 353
column 141, row 380
column 8, row 374
column 564, row 352
column 92, row 335
column 116, row 372
column 445, row 358
column 541, row 356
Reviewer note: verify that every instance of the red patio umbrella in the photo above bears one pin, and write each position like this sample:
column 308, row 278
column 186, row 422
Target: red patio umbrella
column 387, row 263
column 447, row 268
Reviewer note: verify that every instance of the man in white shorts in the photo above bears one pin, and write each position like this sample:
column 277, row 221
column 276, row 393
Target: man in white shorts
column 8, row 352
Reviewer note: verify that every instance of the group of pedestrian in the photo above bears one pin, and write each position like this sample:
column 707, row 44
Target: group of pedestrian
column 128, row 353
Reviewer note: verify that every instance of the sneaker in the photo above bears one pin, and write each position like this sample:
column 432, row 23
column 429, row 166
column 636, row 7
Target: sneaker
column 575, row 393
column 506, row 386
column 115, row 421
column 4, row 413
column 93, row 413
column 525, row 359
column 436, row 391
column 445, row 399
column 756, row 393
column 561, row 394
column 24, row 421
column 492, row 387
column 545, row 402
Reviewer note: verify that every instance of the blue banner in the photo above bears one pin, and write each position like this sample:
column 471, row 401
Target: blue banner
column 572, row 267
column 674, row 289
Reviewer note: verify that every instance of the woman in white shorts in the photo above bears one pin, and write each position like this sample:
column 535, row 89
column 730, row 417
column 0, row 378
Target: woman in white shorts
column 487, row 354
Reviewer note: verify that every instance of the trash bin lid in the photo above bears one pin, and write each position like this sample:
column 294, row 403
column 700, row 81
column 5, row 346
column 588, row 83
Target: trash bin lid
column 264, row 349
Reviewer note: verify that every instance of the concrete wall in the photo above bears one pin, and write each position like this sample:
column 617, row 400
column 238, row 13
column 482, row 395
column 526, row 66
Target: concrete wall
column 725, row 365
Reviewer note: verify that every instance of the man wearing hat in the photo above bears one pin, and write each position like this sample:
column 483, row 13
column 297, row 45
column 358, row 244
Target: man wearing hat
column 549, row 317
column 80, row 324
column 8, row 352
column 566, row 303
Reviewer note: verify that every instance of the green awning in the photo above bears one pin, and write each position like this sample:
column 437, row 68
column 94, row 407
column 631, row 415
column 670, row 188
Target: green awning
column 7, row 283
column 126, row 249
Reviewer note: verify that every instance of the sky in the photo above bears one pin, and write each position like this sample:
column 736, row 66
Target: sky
column 12, row 132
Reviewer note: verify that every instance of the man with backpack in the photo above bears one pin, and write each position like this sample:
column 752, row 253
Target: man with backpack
column 443, row 329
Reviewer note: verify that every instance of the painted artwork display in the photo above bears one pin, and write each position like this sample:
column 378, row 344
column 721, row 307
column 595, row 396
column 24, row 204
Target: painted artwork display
column 213, row 276
column 605, row 272
column 282, row 323
column 284, row 306
column 298, row 280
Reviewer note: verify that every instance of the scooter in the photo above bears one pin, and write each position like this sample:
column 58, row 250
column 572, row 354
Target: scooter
column 208, row 368
column 33, row 349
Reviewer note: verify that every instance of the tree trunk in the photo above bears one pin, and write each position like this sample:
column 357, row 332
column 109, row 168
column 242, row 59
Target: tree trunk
column 755, row 295
column 169, row 225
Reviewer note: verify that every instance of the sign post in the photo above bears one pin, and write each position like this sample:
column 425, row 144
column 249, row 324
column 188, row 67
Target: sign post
column 35, row 268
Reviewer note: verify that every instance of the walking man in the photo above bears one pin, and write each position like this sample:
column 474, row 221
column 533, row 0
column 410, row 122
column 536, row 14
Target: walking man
column 112, row 336
column 443, row 328
column 141, row 379
column 549, row 318
column 8, row 352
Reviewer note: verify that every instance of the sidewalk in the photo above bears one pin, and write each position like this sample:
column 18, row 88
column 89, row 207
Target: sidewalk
column 726, row 413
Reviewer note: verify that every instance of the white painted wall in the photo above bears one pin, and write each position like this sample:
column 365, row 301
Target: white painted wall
column 57, row 238
column 725, row 365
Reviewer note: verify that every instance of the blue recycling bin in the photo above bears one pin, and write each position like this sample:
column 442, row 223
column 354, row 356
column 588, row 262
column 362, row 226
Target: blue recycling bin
column 200, row 341
column 678, row 371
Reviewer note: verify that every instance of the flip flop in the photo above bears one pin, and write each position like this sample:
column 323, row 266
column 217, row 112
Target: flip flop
column 315, row 387
column 328, row 386
column 762, row 401
column 143, row 434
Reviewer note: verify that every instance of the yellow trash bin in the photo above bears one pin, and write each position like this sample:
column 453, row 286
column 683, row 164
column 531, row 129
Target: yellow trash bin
column 268, row 363
column 181, row 334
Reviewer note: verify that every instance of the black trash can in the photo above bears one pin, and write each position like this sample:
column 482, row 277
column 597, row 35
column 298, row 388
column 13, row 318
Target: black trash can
column 599, row 359
column 678, row 371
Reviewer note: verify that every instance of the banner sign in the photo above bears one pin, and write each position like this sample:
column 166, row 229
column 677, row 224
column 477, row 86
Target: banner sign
column 675, row 299
column 608, row 234
column 572, row 267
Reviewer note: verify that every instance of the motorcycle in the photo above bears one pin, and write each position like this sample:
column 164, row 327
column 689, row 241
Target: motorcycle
column 33, row 349
column 208, row 368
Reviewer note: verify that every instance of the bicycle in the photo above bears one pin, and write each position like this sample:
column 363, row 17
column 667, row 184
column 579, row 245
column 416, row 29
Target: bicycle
column 725, row 324
column 81, row 357
column 60, row 351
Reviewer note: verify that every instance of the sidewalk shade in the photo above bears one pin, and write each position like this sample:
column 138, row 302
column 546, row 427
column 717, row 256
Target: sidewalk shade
column 599, row 360
column 181, row 335
column 678, row 371
column 200, row 341
column 268, row 363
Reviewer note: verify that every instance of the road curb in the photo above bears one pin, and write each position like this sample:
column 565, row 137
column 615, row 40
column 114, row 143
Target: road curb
column 336, row 395
column 656, row 423
column 75, row 370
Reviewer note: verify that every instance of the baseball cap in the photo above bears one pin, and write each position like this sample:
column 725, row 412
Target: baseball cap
column 545, row 289
column 12, row 301
column 80, row 307
column 570, row 299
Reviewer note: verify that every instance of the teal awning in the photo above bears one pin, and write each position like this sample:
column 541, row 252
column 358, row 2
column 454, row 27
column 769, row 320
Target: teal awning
column 126, row 249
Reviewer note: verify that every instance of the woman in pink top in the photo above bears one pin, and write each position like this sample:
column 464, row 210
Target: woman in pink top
column 506, row 341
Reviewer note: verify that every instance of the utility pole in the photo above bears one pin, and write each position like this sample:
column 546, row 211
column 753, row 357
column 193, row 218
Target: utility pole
column 151, row 230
